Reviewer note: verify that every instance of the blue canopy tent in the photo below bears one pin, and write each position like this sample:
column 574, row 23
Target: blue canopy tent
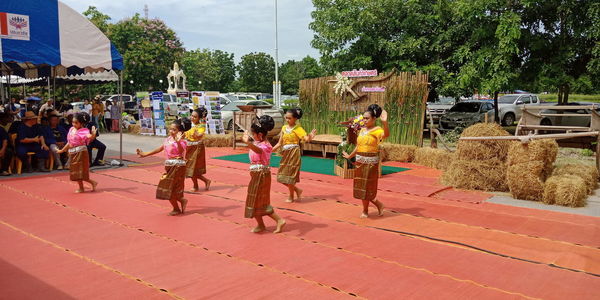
column 47, row 38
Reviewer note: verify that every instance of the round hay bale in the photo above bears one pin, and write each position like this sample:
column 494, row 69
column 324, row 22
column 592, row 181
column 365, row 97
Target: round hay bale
column 544, row 151
column 396, row 152
column 589, row 174
column 485, row 175
column 566, row 190
column 525, row 180
column 218, row 140
column 483, row 150
column 433, row 158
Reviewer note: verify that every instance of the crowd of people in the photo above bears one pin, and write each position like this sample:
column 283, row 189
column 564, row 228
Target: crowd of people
column 32, row 133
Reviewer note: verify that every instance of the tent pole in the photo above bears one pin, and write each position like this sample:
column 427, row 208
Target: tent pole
column 121, row 109
column 23, row 90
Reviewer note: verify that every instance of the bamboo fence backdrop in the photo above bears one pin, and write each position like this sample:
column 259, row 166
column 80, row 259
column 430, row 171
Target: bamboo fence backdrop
column 404, row 99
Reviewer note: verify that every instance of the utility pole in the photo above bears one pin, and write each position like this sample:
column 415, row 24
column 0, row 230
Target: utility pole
column 146, row 11
column 277, row 84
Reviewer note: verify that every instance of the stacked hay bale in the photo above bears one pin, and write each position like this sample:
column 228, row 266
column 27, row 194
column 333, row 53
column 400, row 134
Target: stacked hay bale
column 479, row 165
column 570, row 185
column 218, row 140
column 529, row 165
column 433, row 158
column 396, row 152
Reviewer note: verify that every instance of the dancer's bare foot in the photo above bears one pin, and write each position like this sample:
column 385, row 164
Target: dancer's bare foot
column 258, row 229
column 289, row 200
column 174, row 212
column 364, row 215
column 94, row 184
column 195, row 190
column 299, row 194
column 280, row 225
column 79, row 191
column 380, row 208
column 208, row 184
column 184, row 203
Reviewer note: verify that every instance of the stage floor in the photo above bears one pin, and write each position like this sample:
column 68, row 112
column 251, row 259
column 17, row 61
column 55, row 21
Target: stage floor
column 433, row 241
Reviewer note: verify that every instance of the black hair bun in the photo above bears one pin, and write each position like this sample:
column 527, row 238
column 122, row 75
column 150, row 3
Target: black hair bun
column 186, row 123
column 179, row 124
column 375, row 110
column 266, row 122
column 296, row 112
column 201, row 111
column 82, row 117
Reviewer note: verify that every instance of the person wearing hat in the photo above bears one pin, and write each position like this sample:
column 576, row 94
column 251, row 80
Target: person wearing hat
column 22, row 108
column 31, row 139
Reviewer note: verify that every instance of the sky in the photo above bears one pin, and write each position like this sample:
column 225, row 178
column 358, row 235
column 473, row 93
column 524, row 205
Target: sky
column 235, row 26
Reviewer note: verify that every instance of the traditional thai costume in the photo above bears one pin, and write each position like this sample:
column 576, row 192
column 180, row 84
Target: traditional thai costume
column 195, row 152
column 366, row 174
column 171, row 184
column 258, row 200
column 79, row 168
column 289, row 168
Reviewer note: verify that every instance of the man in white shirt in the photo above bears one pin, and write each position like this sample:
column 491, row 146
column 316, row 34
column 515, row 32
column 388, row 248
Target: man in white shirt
column 87, row 107
column 48, row 105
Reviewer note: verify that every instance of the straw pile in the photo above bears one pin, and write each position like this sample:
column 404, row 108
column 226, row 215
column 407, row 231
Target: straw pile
column 396, row 152
column 433, row 158
column 529, row 165
column 479, row 165
column 566, row 190
column 218, row 140
column 589, row 174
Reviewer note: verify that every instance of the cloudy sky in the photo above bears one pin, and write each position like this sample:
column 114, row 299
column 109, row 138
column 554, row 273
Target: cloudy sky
column 237, row 26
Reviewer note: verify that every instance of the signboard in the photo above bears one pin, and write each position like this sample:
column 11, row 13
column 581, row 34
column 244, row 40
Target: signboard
column 158, row 114
column 214, row 122
column 360, row 73
column 14, row 26
column 145, row 113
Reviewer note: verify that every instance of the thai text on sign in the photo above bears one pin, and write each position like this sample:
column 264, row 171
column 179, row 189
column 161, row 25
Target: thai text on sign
column 360, row 73
column 13, row 26
column 374, row 89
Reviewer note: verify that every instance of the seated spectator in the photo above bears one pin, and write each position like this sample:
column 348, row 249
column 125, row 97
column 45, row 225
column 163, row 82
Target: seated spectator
column 6, row 150
column 67, row 122
column 30, row 139
column 6, row 121
column 95, row 143
column 51, row 142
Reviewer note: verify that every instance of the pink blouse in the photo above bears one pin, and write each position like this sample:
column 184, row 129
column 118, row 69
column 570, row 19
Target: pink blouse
column 78, row 137
column 171, row 149
column 265, row 157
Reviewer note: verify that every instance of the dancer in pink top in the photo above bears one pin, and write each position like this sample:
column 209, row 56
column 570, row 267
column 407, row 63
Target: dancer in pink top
column 258, row 200
column 171, row 184
column 77, row 140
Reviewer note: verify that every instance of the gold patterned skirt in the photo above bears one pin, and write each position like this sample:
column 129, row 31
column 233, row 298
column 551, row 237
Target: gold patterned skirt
column 289, row 168
column 172, row 182
column 79, row 167
column 195, row 160
column 366, row 176
column 258, row 200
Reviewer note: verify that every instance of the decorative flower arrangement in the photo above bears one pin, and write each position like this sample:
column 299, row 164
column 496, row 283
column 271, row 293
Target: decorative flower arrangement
column 342, row 84
column 344, row 146
column 357, row 122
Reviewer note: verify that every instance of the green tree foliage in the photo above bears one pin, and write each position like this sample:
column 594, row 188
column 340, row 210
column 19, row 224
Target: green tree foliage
column 97, row 18
column 256, row 72
column 215, row 69
column 291, row 72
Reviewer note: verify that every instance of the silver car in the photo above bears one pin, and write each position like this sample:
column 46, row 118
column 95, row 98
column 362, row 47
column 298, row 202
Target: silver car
column 276, row 114
column 571, row 120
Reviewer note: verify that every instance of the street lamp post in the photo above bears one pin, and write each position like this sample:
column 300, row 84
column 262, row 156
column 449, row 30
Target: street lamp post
column 161, row 82
column 199, row 84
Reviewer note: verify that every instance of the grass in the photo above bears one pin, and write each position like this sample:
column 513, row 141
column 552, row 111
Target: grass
column 572, row 98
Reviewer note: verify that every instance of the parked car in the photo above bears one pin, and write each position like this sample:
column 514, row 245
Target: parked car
column 466, row 113
column 579, row 121
column 276, row 114
column 77, row 106
column 439, row 108
column 510, row 106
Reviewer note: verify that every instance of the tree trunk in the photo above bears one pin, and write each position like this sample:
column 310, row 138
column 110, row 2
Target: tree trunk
column 496, row 112
column 560, row 95
column 567, row 90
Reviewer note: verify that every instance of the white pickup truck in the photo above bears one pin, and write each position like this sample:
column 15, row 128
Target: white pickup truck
column 510, row 106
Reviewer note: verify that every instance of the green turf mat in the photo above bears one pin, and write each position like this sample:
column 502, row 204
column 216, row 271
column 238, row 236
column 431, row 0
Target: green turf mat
column 309, row 164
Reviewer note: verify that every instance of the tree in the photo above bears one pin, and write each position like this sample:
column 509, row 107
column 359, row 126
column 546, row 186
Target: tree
column 98, row 18
column 257, row 72
column 215, row 69
column 149, row 49
column 293, row 71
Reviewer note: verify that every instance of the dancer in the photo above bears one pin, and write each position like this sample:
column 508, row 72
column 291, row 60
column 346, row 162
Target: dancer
column 291, row 135
column 366, row 173
column 171, row 184
column 195, row 152
column 258, row 201
column 77, row 140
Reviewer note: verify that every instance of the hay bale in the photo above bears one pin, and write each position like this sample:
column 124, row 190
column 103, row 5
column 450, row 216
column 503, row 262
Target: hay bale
column 537, row 150
column 483, row 150
column 218, row 140
column 566, row 190
column 589, row 174
column 525, row 180
column 433, row 158
column 396, row 152
column 485, row 175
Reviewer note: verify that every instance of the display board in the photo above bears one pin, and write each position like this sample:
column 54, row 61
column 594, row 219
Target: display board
column 214, row 120
column 183, row 109
column 158, row 114
column 145, row 113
